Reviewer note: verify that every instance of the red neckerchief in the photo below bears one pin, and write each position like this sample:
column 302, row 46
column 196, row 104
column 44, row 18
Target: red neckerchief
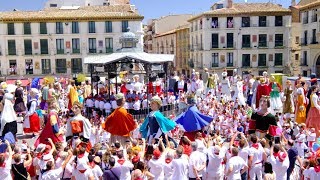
column 121, row 161
column 168, row 160
column 82, row 171
column 317, row 168
column 80, row 155
column 3, row 165
column 92, row 164
column 255, row 145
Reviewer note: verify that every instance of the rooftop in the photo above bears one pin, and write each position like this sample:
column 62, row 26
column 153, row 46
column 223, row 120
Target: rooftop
column 81, row 13
column 251, row 9
column 306, row 4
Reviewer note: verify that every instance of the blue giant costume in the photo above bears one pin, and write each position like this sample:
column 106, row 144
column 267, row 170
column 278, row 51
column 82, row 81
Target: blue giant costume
column 156, row 125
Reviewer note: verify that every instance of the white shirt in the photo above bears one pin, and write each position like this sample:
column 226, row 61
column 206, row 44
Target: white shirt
column 257, row 155
column 97, row 172
column 180, row 169
column 237, row 163
column 82, row 176
column 5, row 172
column 136, row 105
column 144, row 103
column 114, row 104
column 168, row 170
column 244, row 153
column 89, row 103
column 156, row 168
column 280, row 168
column 107, row 107
column 96, row 104
column 125, row 170
column 101, row 105
column 196, row 159
column 52, row 174
column 215, row 165
column 312, row 174
column 311, row 137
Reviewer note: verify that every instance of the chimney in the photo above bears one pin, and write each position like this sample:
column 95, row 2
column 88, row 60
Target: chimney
column 230, row 3
column 293, row 3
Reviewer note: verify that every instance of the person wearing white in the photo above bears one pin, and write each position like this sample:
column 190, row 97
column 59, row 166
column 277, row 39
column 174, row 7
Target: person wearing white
column 5, row 165
column 256, row 157
column 238, row 91
column 51, row 173
column 156, row 165
column 235, row 166
column 107, row 108
column 225, row 86
column 82, row 172
column 126, row 166
column 197, row 162
column 215, row 168
column 280, row 161
column 180, row 166
column 168, row 170
column 8, row 115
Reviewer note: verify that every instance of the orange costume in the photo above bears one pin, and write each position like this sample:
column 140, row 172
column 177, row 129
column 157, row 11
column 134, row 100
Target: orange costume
column 300, row 106
column 119, row 124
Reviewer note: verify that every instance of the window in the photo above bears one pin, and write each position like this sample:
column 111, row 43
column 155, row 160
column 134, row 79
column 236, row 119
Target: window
column 229, row 59
column 246, row 42
column 59, row 28
column 29, row 66
column 296, row 57
column 27, row 47
column 314, row 16
column 245, row 21
column 109, row 45
column 305, row 73
column 125, row 26
column 76, row 65
column 215, row 60
column 262, row 21
column 44, row 46
column 314, row 36
column 278, row 21
column 215, row 22
column 27, row 28
column 305, row 40
column 53, row 5
column 229, row 40
column 108, row 26
column 215, row 41
column 92, row 27
column 262, row 40
column 11, row 29
column 12, row 47
column 61, row 66
column 229, row 22
column 75, row 27
column 76, row 45
column 219, row 6
column 245, row 60
column 304, row 61
column 278, row 40
column 262, row 61
column 60, row 46
column 46, row 66
column 92, row 45
column 43, row 28
column 13, row 67
column 278, row 59
column 305, row 17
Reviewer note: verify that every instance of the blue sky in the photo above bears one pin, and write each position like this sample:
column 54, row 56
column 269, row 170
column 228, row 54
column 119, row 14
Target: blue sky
column 148, row 8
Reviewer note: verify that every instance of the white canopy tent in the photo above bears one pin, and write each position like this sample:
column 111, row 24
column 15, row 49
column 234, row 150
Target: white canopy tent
column 138, row 56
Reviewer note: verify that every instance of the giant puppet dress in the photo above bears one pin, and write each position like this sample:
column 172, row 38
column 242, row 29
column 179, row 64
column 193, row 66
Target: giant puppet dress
column 156, row 125
column 32, row 121
column 263, row 89
column 263, row 125
column 8, row 118
column 300, row 106
column 313, row 119
column 72, row 96
column 50, row 130
column 193, row 121
column 79, row 127
column 275, row 98
column 119, row 124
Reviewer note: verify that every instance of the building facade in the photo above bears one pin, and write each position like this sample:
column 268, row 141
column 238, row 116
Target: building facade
column 250, row 37
column 61, row 3
column 308, row 35
column 182, row 49
column 56, row 40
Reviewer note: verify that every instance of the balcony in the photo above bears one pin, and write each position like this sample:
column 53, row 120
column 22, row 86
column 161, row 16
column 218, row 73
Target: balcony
column 229, row 64
column 278, row 44
column 92, row 51
column 12, row 71
column 230, row 45
column 76, row 51
column 263, row 44
column 215, row 65
column 246, row 45
column 60, row 51
column 313, row 40
column 109, row 50
column 215, row 45
column 61, row 70
column 304, row 41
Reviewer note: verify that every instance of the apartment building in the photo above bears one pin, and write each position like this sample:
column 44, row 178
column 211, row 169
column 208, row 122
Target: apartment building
column 55, row 40
column 250, row 37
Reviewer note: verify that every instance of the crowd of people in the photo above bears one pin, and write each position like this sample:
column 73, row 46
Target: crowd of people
column 204, row 126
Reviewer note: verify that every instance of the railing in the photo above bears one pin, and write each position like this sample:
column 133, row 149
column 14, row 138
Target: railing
column 75, row 51
column 109, row 50
column 60, row 51
column 246, row 45
column 229, row 64
column 215, row 65
column 263, row 44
